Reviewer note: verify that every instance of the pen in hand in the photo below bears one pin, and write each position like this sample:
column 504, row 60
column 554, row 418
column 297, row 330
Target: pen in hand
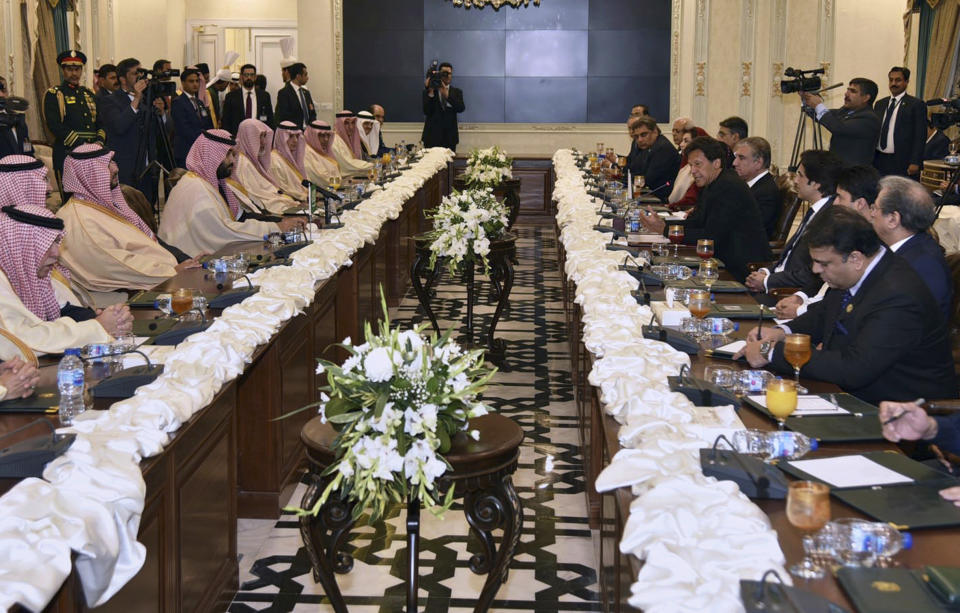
column 919, row 402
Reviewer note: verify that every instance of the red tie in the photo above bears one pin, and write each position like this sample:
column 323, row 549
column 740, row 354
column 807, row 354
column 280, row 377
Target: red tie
column 249, row 105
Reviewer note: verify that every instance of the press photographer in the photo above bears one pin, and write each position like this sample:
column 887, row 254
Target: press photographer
column 441, row 103
column 854, row 127
column 134, row 118
column 14, row 137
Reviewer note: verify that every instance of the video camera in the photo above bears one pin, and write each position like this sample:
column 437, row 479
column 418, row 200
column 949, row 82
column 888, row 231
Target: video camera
column 159, row 83
column 433, row 73
column 10, row 108
column 950, row 116
column 801, row 81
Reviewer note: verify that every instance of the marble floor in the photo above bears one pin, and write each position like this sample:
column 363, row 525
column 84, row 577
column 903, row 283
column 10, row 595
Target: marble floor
column 554, row 568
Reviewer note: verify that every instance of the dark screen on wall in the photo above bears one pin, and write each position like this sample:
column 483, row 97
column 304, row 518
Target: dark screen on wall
column 561, row 62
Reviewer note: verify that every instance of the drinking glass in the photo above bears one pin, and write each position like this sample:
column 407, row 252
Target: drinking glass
column 335, row 182
column 675, row 234
column 182, row 300
column 705, row 248
column 638, row 182
column 599, row 149
column 808, row 509
column 699, row 305
column 708, row 273
column 796, row 350
column 953, row 147
column 781, row 399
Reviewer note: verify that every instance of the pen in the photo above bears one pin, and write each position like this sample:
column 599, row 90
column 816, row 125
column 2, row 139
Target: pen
column 918, row 402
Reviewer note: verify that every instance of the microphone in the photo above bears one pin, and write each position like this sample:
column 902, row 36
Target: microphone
column 760, row 482
column 125, row 352
column 327, row 193
column 646, row 293
column 667, row 184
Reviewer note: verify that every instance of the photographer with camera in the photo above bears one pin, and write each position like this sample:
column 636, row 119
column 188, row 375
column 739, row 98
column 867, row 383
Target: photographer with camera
column 441, row 103
column 70, row 111
column 14, row 136
column 129, row 117
column 855, row 128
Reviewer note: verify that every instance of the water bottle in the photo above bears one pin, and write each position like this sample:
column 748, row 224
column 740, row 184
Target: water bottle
column 786, row 445
column 719, row 325
column 888, row 541
column 70, row 382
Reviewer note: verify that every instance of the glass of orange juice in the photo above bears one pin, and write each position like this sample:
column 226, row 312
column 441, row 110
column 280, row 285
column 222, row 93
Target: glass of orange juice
column 781, row 399
column 796, row 350
column 182, row 300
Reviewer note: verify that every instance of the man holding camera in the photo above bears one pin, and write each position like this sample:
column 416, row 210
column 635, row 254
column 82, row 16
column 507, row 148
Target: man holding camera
column 14, row 135
column 126, row 122
column 441, row 103
column 70, row 110
column 855, row 128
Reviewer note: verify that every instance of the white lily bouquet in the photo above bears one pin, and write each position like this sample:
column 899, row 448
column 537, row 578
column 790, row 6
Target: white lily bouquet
column 487, row 167
column 463, row 226
column 398, row 401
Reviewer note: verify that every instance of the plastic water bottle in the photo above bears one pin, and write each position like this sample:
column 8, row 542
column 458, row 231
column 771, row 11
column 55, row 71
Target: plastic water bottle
column 786, row 445
column 719, row 325
column 888, row 541
column 70, row 382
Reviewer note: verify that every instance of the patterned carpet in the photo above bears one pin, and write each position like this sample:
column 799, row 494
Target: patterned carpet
column 554, row 568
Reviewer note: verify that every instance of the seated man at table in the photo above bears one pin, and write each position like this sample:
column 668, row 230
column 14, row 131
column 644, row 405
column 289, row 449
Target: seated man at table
column 816, row 184
column 252, row 171
column 36, row 304
column 907, row 421
column 107, row 246
column 902, row 216
column 318, row 158
column 726, row 211
column 202, row 214
column 857, row 189
column 286, row 160
column 751, row 160
column 347, row 149
column 657, row 162
column 878, row 333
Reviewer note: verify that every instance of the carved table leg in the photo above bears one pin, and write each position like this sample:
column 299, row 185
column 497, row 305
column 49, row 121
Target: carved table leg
column 413, row 554
column 420, row 263
column 323, row 536
column 504, row 266
column 488, row 509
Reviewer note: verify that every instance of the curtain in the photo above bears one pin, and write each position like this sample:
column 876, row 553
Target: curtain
column 61, row 29
column 942, row 45
column 923, row 48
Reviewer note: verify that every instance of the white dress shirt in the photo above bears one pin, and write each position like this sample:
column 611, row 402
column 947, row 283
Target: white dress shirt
column 893, row 121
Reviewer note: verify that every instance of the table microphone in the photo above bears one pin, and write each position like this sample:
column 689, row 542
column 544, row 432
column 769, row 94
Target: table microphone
column 657, row 189
column 326, row 192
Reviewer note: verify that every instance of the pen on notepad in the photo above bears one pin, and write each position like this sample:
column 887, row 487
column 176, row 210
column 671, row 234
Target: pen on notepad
column 919, row 402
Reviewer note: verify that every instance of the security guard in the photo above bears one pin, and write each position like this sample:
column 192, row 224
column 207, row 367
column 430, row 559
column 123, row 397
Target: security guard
column 70, row 110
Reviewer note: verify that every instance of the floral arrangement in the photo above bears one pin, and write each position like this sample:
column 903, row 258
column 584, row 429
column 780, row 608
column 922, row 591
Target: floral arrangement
column 398, row 401
column 463, row 225
column 488, row 167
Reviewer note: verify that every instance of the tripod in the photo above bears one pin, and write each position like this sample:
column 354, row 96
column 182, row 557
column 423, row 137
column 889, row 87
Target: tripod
column 152, row 131
column 800, row 138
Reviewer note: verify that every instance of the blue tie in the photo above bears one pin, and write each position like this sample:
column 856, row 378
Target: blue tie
column 844, row 303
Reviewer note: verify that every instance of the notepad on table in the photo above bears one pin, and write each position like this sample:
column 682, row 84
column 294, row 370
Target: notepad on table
column 730, row 348
column 850, row 471
column 807, row 405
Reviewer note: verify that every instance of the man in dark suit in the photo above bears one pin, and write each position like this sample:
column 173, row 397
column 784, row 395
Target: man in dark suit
column 216, row 92
column 938, row 144
column 248, row 102
column 751, row 160
column 878, row 333
column 726, row 211
column 903, row 213
column 903, row 120
column 14, row 134
column 657, row 161
column 816, row 184
column 107, row 82
column 125, row 121
column 441, row 108
column 190, row 116
column 854, row 127
column 293, row 100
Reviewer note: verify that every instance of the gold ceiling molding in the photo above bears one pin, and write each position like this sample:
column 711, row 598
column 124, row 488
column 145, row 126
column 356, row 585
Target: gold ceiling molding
column 496, row 4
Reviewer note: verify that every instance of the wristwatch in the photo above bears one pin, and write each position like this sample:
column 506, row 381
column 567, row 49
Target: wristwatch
column 765, row 348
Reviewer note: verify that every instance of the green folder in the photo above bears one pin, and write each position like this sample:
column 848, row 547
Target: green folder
column 152, row 327
column 43, row 400
column 741, row 311
column 890, row 590
column 719, row 287
column 861, row 425
column 907, row 506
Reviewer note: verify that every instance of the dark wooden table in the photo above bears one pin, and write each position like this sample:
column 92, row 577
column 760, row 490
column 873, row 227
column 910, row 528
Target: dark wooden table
column 609, row 512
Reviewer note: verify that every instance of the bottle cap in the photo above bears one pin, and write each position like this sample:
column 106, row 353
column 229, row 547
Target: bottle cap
column 907, row 540
column 814, row 444
column 736, row 326
column 72, row 351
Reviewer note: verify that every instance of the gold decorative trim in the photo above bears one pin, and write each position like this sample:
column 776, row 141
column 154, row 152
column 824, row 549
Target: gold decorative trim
column 701, row 79
column 338, row 54
column 745, row 78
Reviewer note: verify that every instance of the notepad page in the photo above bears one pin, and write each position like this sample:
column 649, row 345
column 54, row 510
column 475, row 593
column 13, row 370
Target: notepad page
column 733, row 347
column 807, row 405
column 850, row 471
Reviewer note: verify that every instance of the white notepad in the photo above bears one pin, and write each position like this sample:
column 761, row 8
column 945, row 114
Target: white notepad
column 808, row 405
column 850, row 471
column 733, row 347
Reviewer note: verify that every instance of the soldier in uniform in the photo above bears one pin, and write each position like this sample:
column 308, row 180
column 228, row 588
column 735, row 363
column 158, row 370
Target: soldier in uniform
column 70, row 111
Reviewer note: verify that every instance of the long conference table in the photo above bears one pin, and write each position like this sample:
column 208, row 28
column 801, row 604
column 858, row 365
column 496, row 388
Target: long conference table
column 609, row 512
column 231, row 459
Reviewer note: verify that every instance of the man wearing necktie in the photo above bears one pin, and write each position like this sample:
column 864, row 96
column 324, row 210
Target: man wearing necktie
column 190, row 116
column 247, row 102
column 854, row 127
column 903, row 133
column 878, row 333
column 816, row 184
column 294, row 103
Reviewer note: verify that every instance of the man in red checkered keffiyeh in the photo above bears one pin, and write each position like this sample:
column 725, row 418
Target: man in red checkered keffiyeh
column 288, row 142
column 30, row 237
column 90, row 174
column 205, row 158
column 23, row 180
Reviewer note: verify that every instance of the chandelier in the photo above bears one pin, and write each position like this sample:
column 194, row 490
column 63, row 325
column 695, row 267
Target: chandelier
column 496, row 4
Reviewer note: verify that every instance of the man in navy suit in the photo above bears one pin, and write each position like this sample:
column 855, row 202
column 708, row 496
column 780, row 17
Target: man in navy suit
column 656, row 160
column 855, row 127
column 902, row 214
column 190, row 116
column 293, row 101
column 124, row 119
column 902, row 131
